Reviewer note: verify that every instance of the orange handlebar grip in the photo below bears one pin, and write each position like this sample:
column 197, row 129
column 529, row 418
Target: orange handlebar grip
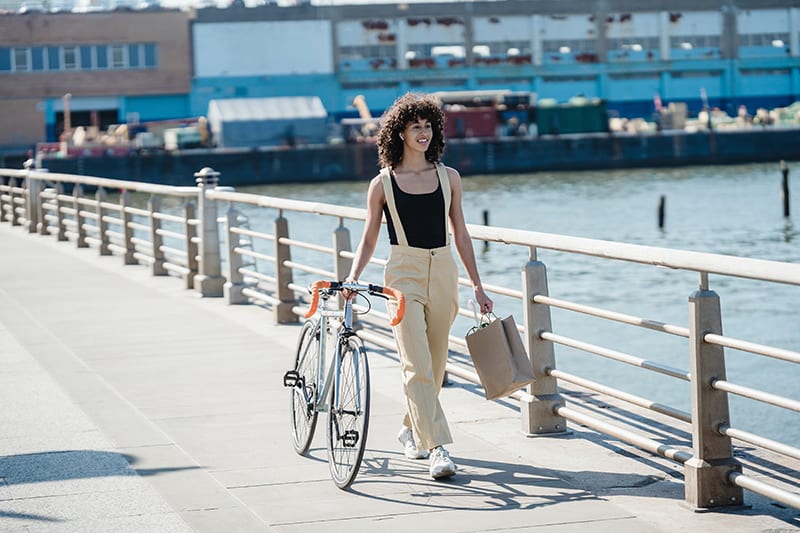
column 401, row 304
column 315, row 287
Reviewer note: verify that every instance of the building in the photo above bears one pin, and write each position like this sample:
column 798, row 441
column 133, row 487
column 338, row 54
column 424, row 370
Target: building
column 629, row 53
column 117, row 67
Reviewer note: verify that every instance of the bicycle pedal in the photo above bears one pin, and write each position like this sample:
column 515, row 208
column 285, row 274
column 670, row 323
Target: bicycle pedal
column 350, row 438
column 291, row 378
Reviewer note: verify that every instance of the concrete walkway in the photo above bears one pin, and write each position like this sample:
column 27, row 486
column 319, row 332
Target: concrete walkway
column 129, row 404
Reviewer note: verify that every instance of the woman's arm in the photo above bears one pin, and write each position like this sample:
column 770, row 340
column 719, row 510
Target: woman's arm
column 372, row 226
column 463, row 241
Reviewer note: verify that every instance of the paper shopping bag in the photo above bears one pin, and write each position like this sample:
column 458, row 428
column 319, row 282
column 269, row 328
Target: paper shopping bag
column 499, row 357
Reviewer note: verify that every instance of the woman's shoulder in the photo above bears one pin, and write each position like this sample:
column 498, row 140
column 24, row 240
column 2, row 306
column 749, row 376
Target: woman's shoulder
column 452, row 173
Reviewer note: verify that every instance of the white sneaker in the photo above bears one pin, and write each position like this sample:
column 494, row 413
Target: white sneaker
column 441, row 464
column 406, row 438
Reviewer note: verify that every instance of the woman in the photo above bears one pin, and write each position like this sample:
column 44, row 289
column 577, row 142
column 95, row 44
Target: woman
column 419, row 196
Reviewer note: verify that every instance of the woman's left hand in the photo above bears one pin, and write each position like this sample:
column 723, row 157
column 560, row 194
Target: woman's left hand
column 485, row 303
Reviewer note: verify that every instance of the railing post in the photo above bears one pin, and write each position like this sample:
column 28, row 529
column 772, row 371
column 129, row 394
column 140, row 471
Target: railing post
column 102, row 223
column 129, row 258
column 537, row 412
column 191, row 243
column 233, row 287
column 706, row 473
column 80, row 221
column 32, row 200
column 341, row 243
column 14, row 218
column 61, row 234
column 283, row 273
column 154, row 206
column 209, row 281
column 41, row 212
column 2, row 202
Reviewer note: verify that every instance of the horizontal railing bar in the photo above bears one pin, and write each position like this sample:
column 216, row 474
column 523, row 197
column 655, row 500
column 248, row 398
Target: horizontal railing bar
column 109, row 183
column 137, row 225
column 620, row 395
column 298, row 288
column 167, row 233
column 111, row 206
column 257, row 275
column 616, row 355
column 307, row 245
column 764, row 489
column 250, row 253
column 137, row 211
column 115, row 234
column 178, row 269
column 111, row 219
column 91, row 215
column 169, row 218
column 742, row 267
column 260, row 296
column 373, row 261
column 173, row 251
column 752, row 347
column 144, row 258
column 143, row 242
column 251, row 233
column 757, row 440
column 290, row 205
column 117, row 248
column 612, row 315
column 754, row 394
column 653, row 446
column 493, row 288
column 309, row 269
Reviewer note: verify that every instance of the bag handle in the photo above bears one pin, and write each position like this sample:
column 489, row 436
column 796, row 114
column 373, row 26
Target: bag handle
column 481, row 321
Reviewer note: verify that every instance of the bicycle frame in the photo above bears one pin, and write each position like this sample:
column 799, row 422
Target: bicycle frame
column 328, row 375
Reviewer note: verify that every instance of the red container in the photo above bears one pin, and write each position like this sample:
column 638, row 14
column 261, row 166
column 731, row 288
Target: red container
column 470, row 122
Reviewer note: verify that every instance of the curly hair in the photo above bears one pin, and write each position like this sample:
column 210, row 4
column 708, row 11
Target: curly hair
column 406, row 109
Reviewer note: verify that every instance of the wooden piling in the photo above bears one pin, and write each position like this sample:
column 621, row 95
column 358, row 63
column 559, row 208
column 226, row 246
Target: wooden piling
column 661, row 210
column 785, row 188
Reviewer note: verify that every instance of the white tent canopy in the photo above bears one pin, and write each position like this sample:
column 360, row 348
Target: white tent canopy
column 253, row 122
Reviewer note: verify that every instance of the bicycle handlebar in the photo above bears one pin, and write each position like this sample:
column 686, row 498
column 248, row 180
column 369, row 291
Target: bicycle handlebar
column 356, row 287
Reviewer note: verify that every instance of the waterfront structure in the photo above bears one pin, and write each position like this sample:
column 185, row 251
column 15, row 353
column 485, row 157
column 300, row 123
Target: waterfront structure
column 632, row 54
column 117, row 67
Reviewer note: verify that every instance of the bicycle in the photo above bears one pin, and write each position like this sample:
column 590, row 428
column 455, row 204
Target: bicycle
column 342, row 387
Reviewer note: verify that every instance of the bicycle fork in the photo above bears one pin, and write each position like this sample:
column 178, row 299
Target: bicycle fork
column 349, row 437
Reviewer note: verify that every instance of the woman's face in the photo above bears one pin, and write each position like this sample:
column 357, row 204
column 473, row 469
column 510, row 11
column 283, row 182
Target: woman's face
column 418, row 135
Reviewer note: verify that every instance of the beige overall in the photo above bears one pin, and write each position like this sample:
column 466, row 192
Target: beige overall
column 429, row 280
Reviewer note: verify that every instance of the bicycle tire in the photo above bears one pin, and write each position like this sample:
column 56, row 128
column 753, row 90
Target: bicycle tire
column 347, row 423
column 304, row 393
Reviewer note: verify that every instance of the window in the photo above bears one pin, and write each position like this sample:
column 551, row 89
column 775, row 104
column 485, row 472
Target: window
column 86, row 57
column 37, row 59
column 5, row 59
column 150, row 57
column 118, row 56
column 53, row 58
column 133, row 56
column 101, row 56
column 70, row 58
column 21, row 59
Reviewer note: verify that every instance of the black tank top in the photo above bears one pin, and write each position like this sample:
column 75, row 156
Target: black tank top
column 422, row 217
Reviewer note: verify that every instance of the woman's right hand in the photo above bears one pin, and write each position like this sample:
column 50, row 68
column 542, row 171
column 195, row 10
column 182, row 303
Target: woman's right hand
column 348, row 294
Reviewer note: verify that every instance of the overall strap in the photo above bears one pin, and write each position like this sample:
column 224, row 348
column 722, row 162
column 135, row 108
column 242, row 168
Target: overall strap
column 444, row 181
column 388, row 192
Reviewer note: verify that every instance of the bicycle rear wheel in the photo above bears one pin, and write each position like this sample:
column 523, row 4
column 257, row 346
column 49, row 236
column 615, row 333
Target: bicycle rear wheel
column 304, row 392
column 348, row 415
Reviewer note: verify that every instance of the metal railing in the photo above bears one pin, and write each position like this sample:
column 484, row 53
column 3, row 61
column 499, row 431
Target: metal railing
column 218, row 253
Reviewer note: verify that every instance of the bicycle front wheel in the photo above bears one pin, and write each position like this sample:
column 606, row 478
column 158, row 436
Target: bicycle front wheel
column 348, row 416
column 304, row 391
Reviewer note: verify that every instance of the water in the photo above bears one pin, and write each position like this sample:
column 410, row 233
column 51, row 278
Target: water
column 734, row 210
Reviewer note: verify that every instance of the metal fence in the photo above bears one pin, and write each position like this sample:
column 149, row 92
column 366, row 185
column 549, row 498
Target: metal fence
column 203, row 235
